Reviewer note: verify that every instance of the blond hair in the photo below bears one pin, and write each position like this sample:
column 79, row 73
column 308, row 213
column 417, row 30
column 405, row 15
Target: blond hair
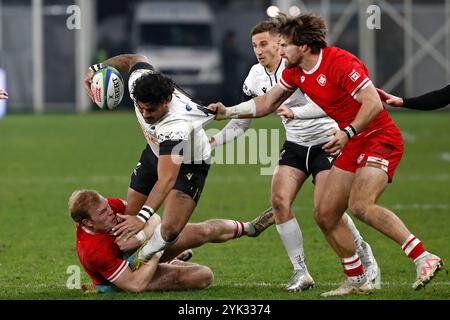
column 80, row 202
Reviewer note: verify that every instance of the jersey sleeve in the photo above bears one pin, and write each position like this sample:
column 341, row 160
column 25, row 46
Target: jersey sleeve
column 246, row 88
column 350, row 74
column 287, row 82
column 429, row 101
column 106, row 262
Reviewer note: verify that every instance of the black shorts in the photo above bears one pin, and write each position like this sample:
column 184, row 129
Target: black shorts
column 310, row 160
column 191, row 178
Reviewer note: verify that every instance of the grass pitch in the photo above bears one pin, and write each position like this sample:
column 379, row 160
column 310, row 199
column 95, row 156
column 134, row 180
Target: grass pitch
column 44, row 158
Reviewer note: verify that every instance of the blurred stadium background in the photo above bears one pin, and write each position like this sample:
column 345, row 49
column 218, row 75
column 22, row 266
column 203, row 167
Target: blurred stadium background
column 44, row 60
column 53, row 140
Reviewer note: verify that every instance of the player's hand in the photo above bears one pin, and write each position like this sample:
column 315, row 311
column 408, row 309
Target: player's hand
column 127, row 245
column 212, row 142
column 390, row 99
column 285, row 113
column 3, row 95
column 337, row 143
column 220, row 110
column 129, row 227
column 87, row 83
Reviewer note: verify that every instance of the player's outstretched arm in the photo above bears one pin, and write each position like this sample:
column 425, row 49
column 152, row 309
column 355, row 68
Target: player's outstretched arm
column 3, row 94
column 122, row 63
column 233, row 130
column 138, row 281
column 255, row 108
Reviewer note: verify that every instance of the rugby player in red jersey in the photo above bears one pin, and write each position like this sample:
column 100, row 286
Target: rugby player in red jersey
column 368, row 143
column 111, row 263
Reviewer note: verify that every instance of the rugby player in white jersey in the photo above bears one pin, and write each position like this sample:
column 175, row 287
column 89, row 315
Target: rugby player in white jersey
column 306, row 127
column 175, row 163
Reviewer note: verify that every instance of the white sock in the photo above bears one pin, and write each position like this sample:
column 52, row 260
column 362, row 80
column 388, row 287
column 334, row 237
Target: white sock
column 155, row 244
column 356, row 235
column 291, row 236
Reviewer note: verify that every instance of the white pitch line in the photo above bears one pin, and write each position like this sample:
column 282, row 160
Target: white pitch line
column 445, row 156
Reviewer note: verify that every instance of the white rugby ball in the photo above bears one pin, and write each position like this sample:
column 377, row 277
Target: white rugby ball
column 107, row 87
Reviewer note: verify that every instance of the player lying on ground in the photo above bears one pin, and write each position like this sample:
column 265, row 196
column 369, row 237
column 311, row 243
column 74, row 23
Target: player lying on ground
column 175, row 163
column 370, row 142
column 3, row 94
column 109, row 261
column 429, row 101
column 307, row 127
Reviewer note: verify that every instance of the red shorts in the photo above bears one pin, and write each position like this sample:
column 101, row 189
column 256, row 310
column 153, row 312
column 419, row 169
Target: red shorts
column 382, row 148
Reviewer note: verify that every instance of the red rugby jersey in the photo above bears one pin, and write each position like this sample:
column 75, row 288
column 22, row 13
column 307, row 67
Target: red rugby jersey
column 333, row 84
column 100, row 257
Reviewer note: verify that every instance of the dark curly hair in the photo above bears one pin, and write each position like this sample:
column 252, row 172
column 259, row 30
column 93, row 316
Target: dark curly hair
column 306, row 29
column 153, row 88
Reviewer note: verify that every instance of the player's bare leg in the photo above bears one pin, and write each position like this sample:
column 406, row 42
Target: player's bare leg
column 328, row 214
column 363, row 249
column 368, row 186
column 196, row 234
column 286, row 183
column 178, row 208
column 135, row 201
column 187, row 276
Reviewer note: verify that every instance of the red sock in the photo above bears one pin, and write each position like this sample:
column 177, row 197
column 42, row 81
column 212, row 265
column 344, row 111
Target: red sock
column 352, row 266
column 413, row 247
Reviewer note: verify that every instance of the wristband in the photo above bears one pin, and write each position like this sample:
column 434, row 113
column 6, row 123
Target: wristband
column 145, row 213
column 97, row 66
column 245, row 109
column 350, row 131
column 141, row 236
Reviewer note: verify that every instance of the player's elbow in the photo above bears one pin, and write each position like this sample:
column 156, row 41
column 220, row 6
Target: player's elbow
column 136, row 287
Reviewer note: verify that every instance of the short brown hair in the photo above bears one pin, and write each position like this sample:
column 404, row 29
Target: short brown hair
column 264, row 26
column 80, row 202
column 306, row 29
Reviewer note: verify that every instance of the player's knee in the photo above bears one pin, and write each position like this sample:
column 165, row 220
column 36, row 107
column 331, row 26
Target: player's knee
column 359, row 208
column 280, row 204
column 205, row 278
column 323, row 218
column 169, row 234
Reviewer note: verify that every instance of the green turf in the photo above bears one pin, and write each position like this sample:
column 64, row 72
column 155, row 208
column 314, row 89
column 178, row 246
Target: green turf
column 44, row 158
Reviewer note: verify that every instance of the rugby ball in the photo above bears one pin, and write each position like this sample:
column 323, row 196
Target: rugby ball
column 107, row 87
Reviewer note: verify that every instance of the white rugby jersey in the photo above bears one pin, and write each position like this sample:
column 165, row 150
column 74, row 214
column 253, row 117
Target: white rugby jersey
column 184, row 121
column 305, row 132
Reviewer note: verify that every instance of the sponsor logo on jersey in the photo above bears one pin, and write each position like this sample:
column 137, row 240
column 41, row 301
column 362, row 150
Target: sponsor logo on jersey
column 360, row 158
column 189, row 176
column 354, row 75
column 302, row 79
column 188, row 107
column 322, row 80
column 264, row 89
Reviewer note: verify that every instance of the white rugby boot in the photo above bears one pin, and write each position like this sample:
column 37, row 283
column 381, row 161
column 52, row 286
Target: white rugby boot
column 371, row 268
column 350, row 287
column 426, row 268
column 299, row 281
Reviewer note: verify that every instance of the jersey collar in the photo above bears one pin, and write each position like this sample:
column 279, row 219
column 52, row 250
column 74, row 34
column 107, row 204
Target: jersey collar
column 87, row 230
column 314, row 69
